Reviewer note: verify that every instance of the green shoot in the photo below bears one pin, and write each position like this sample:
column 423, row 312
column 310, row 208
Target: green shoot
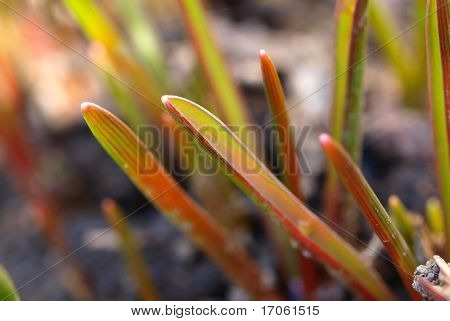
column 130, row 250
column 151, row 178
column 230, row 104
column 143, row 37
column 402, row 220
column 254, row 178
column 397, row 52
column 435, row 216
column 370, row 205
column 290, row 166
column 350, row 49
column 275, row 97
column 438, row 82
column 8, row 291
column 102, row 31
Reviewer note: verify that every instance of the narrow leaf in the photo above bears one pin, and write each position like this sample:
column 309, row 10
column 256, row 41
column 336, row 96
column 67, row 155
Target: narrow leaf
column 443, row 15
column 397, row 52
column 435, row 216
column 437, row 58
column 368, row 202
column 144, row 38
column 252, row 176
column 130, row 250
column 94, row 22
column 8, row 291
column 350, row 49
column 110, row 50
column 351, row 35
column 159, row 187
column 290, row 165
column 401, row 219
column 230, row 103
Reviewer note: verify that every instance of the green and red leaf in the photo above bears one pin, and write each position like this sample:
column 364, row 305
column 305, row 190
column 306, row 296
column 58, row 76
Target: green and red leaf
column 152, row 179
column 437, row 41
column 252, row 176
column 231, row 106
column 8, row 291
column 370, row 205
column 350, row 49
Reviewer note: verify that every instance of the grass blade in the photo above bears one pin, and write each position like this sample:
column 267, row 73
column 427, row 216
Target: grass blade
column 398, row 53
column 159, row 187
column 443, row 15
column 8, row 291
column 351, row 35
column 436, row 59
column 401, row 219
column 290, row 165
column 231, row 106
column 351, row 39
column 144, row 38
column 253, row 177
column 130, row 250
column 368, row 202
column 435, row 216
column 94, row 23
column 101, row 30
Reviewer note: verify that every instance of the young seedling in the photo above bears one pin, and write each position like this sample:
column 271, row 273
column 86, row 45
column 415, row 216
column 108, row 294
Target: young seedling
column 435, row 216
column 438, row 60
column 369, row 204
column 254, row 178
column 231, row 106
column 130, row 250
column 102, row 31
column 350, row 49
column 290, row 165
column 8, row 291
column 151, row 178
column 402, row 219
column 143, row 37
column 406, row 64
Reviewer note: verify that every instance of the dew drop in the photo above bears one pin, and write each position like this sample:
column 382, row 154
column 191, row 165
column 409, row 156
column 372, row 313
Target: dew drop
column 304, row 227
column 306, row 254
column 294, row 243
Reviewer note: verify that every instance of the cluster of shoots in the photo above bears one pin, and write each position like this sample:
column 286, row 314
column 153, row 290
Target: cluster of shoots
column 306, row 245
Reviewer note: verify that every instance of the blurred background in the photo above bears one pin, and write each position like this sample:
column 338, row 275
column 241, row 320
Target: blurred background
column 54, row 174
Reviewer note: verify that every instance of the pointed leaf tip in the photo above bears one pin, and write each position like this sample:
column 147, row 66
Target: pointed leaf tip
column 262, row 53
column 324, row 139
column 274, row 197
column 107, row 204
column 87, row 106
column 167, row 101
